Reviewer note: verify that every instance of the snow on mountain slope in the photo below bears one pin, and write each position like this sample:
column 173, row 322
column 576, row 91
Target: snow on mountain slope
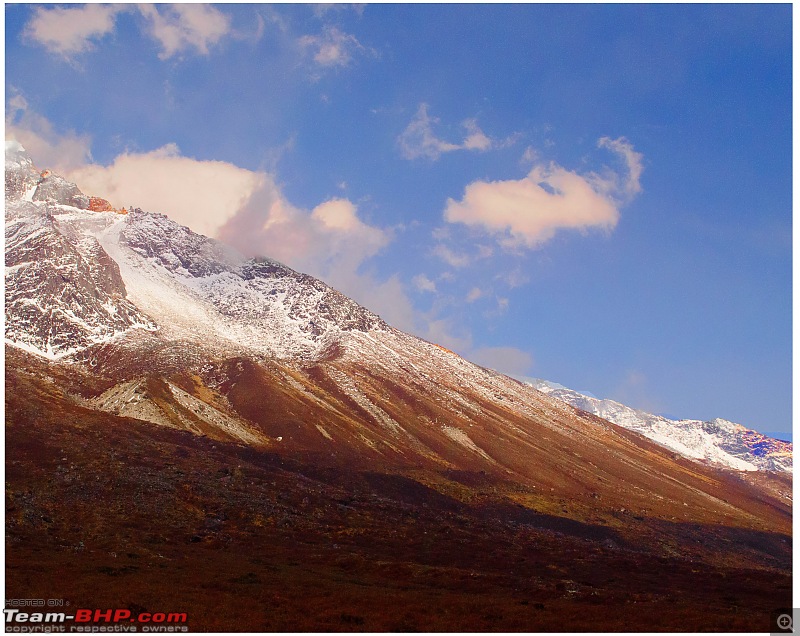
column 198, row 288
column 63, row 292
column 717, row 441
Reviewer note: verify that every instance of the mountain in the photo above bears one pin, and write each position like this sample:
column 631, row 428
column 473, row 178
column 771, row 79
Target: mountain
column 76, row 279
column 174, row 404
column 717, row 441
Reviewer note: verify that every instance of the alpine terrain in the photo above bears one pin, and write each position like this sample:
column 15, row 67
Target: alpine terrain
column 191, row 430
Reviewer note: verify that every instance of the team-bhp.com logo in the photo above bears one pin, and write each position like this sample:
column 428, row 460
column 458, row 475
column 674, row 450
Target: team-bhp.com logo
column 28, row 621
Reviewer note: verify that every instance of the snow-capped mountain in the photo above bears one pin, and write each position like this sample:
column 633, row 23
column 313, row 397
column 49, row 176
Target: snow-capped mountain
column 716, row 441
column 65, row 267
column 136, row 294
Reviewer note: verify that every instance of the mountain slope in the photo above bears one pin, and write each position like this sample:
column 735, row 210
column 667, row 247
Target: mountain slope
column 141, row 516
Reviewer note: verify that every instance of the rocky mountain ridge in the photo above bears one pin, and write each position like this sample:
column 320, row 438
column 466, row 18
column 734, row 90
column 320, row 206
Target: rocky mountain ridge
column 717, row 441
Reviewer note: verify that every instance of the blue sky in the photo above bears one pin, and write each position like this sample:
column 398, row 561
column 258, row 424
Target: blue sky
column 596, row 195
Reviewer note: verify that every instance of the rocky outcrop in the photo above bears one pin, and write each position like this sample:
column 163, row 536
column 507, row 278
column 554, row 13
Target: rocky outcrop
column 96, row 204
column 54, row 188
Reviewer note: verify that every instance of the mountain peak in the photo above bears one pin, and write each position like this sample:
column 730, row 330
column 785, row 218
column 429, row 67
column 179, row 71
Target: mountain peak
column 192, row 286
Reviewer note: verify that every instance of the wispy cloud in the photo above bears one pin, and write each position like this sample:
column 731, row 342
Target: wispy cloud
column 529, row 211
column 322, row 10
column 70, row 31
column 180, row 28
column 455, row 258
column 452, row 258
column 475, row 139
column 419, row 140
column 633, row 389
column 474, row 294
column 629, row 184
column 332, row 47
column 424, row 284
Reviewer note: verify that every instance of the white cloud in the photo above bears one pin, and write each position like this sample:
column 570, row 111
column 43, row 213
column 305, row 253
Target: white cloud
column 182, row 27
column 203, row 195
column 475, row 139
column 419, row 140
column 443, row 332
column 633, row 389
column 423, row 283
column 70, row 31
column 513, row 278
column 483, row 251
column 531, row 155
column 458, row 259
column 388, row 298
column 509, row 360
column 178, row 28
column 528, row 211
column 330, row 241
column 332, row 47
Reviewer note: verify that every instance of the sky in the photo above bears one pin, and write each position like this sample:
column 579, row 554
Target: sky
column 596, row 195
